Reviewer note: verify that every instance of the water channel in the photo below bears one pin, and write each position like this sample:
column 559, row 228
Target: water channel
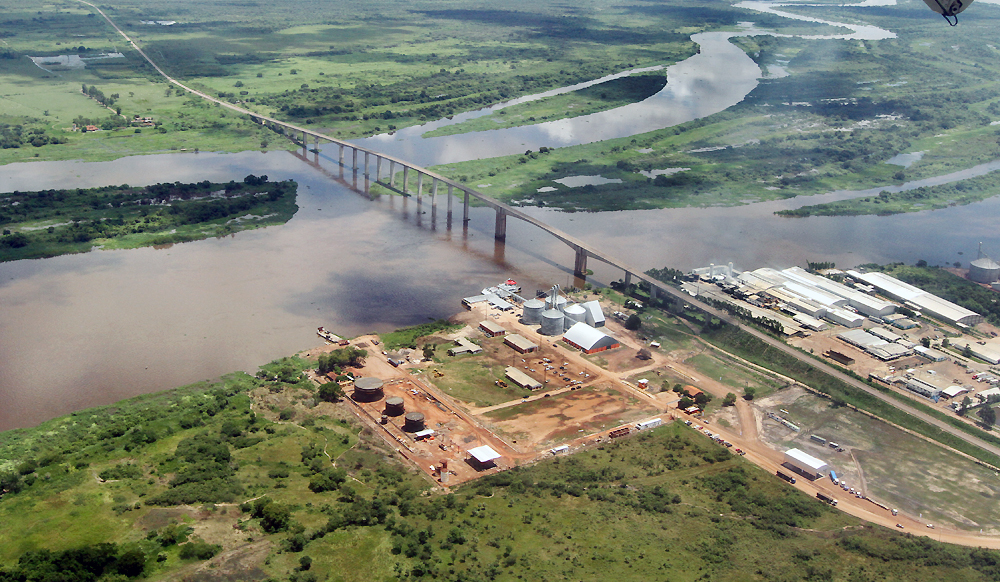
column 83, row 330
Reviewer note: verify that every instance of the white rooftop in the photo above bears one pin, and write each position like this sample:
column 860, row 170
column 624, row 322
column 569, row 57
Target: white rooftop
column 484, row 454
column 807, row 460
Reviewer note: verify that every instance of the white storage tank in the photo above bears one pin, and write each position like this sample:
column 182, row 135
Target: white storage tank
column 552, row 322
column 984, row 270
column 532, row 313
column 574, row 314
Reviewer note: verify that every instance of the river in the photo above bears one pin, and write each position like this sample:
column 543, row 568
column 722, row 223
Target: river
column 83, row 330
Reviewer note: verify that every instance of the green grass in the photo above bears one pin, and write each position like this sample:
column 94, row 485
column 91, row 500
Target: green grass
column 472, row 379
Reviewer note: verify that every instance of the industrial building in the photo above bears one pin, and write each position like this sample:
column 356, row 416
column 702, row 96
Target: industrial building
column 919, row 299
column 491, row 328
column 589, row 339
column 519, row 343
column 595, row 316
column 930, row 353
column 922, row 388
column 989, row 353
column 464, row 346
column 874, row 345
column 815, row 296
column 521, row 379
column 805, row 464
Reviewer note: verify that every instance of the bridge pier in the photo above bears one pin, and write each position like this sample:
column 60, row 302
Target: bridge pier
column 341, row 155
column 628, row 279
column 406, row 174
column 378, row 167
column 305, row 140
column 354, row 163
column 465, row 209
column 434, row 194
column 366, row 165
column 580, row 267
column 652, row 292
column 420, row 186
column 392, row 174
column 450, row 198
column 500, row 232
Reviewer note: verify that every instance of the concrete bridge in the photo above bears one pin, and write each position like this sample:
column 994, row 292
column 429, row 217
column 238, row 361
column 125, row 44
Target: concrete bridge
column 384, row 170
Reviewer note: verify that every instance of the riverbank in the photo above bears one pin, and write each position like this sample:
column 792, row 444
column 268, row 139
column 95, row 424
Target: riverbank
column 58, row 222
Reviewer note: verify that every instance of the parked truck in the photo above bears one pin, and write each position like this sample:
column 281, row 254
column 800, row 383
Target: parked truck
column 826, row 498
column 833, row 477
column 788, row 478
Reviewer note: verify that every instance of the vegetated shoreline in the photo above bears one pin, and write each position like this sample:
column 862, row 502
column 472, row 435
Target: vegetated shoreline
column 959, row 193
column 50, row 223
column 596, row 98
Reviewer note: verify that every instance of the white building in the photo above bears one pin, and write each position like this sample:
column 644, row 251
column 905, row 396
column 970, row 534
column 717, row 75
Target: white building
column 805, row 464
column 920, row 299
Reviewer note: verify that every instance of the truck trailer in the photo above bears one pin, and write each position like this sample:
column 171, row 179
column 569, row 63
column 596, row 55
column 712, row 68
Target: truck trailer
column 826, row 498
column 833, row 477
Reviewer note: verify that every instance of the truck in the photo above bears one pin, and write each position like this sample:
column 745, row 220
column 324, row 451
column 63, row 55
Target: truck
column 788, row 478
column 833, row 477
column 826, row 499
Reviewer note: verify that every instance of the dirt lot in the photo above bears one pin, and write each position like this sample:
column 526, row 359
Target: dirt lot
column 547, row 422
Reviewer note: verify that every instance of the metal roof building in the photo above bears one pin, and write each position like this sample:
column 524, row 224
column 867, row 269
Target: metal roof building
column 595, row 316
column 922, row 300
column 589, row 339
column 805, row 463
column 520, row 343
column 483, row 457
column 492, row 328
column 521, row 379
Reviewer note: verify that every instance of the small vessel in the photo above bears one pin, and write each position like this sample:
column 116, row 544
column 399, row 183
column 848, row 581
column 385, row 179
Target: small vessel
column 321, row 332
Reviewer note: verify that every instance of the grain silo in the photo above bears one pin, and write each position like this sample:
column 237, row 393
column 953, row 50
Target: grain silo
column 552, row 322
column 394, row 406
column 367, row 389
column 574, row 314
column 560, row 302
column 532, row 313
column 984, row 269
column 414, row 422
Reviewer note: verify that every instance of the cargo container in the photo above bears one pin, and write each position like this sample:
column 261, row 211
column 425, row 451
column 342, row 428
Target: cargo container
column 817, row 439
column 649, row 424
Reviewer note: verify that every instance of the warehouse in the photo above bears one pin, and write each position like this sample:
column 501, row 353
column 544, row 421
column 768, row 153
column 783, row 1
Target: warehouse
column 845, row 318
column 987, row 353
column 920, row 299
column 589, row 339
column 521, row 379
column 491, row 328
column 810, row 322
column 463, row 346
column 930, row 353
column 519, row 343
column 805, row 464
column 873, row 345
column 923, row 388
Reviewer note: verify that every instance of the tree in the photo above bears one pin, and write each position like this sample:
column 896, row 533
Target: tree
column 925, row 341
column 966, row 403
column 685, row 403
column 729, row 400
column 633, row 322
column 749, row 393
column 988, row 415
column 429, row 351
column 331, row 392
column 644, row 354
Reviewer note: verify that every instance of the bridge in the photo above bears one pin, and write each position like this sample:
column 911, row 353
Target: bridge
column 583, row 251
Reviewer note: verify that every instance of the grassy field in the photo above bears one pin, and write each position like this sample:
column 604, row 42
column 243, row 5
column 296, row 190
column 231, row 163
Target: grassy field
column 901, row 470
column 846, row 108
